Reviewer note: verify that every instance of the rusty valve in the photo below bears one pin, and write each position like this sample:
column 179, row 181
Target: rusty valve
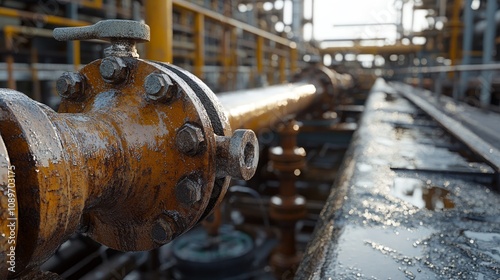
column 237, row 155
column 138, row 153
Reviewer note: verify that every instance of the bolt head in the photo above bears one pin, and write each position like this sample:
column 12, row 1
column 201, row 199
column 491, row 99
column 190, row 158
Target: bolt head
column 70, row 85
column 189, row 139
column 159, row 87
column 162, row 232
column 187, row 191
column 113, row 70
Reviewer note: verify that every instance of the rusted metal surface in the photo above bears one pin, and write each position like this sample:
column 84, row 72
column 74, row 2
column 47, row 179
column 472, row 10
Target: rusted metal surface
column 287, row 207
column 407, row 204
column 132, row 158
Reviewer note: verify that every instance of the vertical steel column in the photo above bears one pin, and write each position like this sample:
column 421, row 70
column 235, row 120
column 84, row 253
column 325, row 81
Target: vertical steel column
column 73, row 47
column 294, row 56
column 467, row 46
column 488, row 45
column 282, row 65
column 159, row 19
column 72, row 13
column 260, row 54
column 199, row 42
column 233, row 62
column 9, row 45
column 455, row 25
column 420, row 75
column 225, row 58
column 439, row 84
column 297, row 19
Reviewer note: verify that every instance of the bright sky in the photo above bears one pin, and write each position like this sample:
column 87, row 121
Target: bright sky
column 328, row 13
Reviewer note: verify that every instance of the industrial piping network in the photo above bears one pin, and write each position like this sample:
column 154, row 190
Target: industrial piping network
column 137, row 154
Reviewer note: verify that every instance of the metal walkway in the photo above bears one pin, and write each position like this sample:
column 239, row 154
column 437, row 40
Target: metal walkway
column 411, row 202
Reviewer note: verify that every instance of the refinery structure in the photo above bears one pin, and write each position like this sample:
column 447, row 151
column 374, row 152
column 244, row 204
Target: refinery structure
column 249, row 139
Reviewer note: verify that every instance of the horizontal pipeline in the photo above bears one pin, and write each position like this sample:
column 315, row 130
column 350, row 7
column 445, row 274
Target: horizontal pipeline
column 262, row 107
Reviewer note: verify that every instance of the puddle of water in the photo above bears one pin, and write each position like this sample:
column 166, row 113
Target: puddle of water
column 421, row 194
column 368, row 250
column 486, row 243
column 363, row 167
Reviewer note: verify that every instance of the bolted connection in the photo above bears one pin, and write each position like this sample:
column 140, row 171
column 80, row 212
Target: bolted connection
column 187, row 191
column 162, row 232
column 189, row 139
column 113, row 70
column 159, row 87
column 238, row 155
column 70, row 85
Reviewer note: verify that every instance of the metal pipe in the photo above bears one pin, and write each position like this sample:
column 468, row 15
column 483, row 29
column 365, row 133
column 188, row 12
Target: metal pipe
column 263, row 107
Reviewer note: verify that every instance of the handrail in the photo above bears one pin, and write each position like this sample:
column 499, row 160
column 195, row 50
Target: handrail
column 50, row 19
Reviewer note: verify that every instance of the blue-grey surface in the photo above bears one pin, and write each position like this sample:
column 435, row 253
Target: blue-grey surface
column 407, row 204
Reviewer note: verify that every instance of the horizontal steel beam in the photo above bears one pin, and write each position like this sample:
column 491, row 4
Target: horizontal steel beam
column 389, row 49
column 455, row 68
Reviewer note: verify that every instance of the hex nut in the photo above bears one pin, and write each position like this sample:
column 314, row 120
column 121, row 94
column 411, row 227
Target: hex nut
column 187, row 191
column 189, row 139
column 113, row 70
column 159, row 87
column 162, row 232
column 70, row 85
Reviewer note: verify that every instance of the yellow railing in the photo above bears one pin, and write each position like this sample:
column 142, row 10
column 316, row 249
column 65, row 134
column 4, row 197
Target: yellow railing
column 183, row 38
